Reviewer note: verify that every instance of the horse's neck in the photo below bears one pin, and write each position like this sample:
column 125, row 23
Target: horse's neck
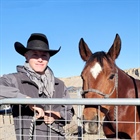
column 128, row 87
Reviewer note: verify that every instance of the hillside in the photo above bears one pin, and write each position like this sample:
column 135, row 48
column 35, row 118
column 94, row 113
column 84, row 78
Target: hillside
column 76, row 81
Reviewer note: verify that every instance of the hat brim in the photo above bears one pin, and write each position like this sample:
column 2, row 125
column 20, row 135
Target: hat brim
column 22, row 50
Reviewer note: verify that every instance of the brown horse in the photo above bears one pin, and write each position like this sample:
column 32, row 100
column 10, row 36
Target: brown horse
column 103, row 79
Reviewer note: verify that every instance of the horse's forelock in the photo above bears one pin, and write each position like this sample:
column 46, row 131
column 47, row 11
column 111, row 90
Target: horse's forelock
column 99, row 56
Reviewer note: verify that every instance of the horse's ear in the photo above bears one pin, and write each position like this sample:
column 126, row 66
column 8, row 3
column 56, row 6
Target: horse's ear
column 84, row 50
column 114, row 51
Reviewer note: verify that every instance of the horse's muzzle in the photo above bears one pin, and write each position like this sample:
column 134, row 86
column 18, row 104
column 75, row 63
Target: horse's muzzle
column 91, row 126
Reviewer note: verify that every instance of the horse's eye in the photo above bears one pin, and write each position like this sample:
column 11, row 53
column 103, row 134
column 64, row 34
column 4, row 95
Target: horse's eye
column 111, row 76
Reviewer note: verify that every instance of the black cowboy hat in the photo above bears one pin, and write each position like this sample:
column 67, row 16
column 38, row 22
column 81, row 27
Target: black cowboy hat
column 36, row 41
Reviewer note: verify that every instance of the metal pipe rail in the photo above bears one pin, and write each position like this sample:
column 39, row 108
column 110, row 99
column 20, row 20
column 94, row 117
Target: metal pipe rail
column 72, row 101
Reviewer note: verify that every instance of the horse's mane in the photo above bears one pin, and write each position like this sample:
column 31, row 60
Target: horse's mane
column 136, row 94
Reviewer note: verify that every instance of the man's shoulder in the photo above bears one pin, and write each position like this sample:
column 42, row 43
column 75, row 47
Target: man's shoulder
column 10, row 75
column 15, row 75
column 9, row 79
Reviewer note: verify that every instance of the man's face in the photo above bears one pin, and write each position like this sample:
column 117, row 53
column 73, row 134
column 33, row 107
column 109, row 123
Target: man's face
column 38, row 60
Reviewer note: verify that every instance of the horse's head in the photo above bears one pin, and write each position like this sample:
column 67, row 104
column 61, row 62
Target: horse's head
column 99, row 80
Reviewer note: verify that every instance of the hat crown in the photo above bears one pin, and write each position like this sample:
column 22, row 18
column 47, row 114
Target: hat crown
column 38, row 36
column 37, row 40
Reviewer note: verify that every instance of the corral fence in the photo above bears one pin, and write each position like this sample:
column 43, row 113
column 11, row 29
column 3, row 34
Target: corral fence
column 75, row 128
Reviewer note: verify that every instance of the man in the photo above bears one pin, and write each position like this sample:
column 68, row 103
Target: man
column 35, row 79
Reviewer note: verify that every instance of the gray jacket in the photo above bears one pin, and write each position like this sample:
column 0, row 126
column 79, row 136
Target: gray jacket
column 18, row 85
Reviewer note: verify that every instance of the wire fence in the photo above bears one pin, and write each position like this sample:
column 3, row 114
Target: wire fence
column 73, row 131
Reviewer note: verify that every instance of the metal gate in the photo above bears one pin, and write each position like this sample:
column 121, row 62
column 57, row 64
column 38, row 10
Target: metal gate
column 75, row 128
